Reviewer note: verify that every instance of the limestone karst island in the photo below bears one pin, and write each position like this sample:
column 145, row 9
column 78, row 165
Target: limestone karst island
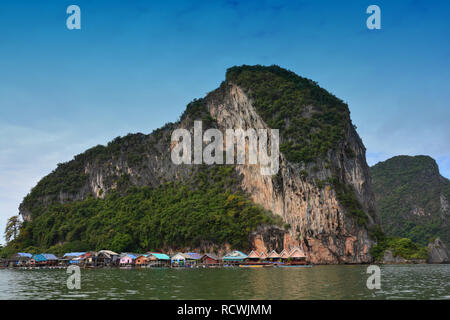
column 122, row 202
column 235, row 152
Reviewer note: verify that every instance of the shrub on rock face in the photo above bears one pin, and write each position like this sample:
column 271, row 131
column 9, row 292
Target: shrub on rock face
column 399, row 247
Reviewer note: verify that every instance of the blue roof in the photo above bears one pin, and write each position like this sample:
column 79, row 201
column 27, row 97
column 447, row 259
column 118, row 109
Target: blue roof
column 24, row 254
column 161, row 256
column 235, row 255
column 73, row 254
column 50, row 256
column 194, row 255
column 39, row 258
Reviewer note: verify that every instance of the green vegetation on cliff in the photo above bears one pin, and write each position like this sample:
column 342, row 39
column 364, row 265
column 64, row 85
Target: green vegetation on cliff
column 310, row 119
column 348, row 200
column 172, row 215
column 412, row 198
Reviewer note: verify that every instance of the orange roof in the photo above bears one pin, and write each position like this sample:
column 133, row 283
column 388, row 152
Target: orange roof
column 284, row 254
column 297, row 253
column 141, row 259
column 253, row 254
column 273, row 255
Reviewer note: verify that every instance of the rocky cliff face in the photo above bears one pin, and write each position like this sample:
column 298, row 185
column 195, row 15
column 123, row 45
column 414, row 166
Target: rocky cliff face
column 317, row 221
column 316, row 199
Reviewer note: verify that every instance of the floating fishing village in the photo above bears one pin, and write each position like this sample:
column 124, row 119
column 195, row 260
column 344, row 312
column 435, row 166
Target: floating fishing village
column 107, row 258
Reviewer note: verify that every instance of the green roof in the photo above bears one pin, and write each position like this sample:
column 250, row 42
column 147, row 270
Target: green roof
column 161, row 256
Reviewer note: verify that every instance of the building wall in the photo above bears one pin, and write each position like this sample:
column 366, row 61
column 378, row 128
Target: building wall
column 209, row 260
column 126, row 260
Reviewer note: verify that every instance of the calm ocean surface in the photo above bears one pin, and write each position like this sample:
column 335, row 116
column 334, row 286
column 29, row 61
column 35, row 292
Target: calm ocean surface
column 319, row 282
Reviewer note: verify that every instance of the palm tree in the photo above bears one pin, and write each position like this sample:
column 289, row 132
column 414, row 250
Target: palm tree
column 12, row 228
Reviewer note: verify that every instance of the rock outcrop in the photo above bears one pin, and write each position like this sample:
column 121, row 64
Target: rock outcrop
column 438, row 252
column 389, row 258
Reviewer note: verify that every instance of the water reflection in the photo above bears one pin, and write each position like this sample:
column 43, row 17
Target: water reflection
column 320, row 282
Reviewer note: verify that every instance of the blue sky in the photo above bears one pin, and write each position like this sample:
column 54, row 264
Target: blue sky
column 135, row 65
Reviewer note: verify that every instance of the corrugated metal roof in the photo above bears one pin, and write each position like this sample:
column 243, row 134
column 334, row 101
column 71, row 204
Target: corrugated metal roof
column 39, row 258
column 274, row 255
column 253, row 254
column 50, row 256
column 179, row 256
column 24, row 254
column 297, row 253
column 284, row 254
column 235, row 255
column 212, row 256
column 161, row 256
column 111, row 253
column 193, row 255
column 73, row 254
column 142, row 255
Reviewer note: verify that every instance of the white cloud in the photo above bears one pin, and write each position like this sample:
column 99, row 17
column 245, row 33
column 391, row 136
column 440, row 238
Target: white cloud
column 28, row 154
